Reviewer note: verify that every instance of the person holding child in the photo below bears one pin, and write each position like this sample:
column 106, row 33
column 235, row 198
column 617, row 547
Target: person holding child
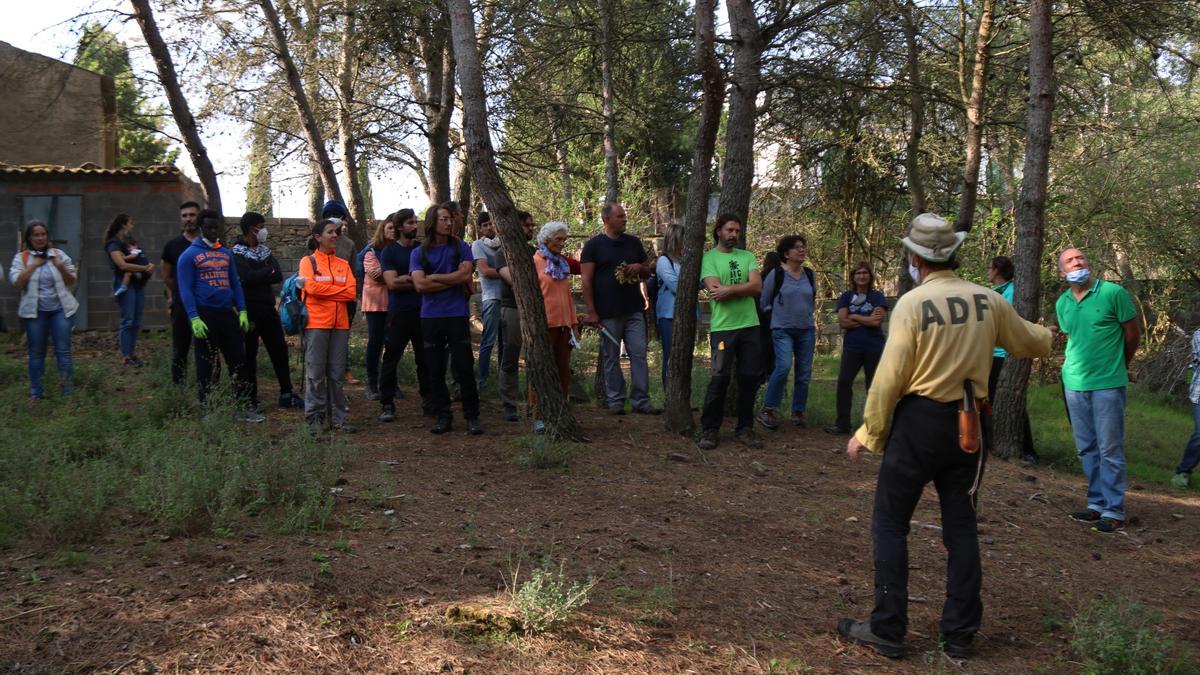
column 131, row 271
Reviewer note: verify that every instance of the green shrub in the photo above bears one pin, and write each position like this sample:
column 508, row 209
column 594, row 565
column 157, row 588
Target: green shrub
column 546, row 599
column 1118, row 636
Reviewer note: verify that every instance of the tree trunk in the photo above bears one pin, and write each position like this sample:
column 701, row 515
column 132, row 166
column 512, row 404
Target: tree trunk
column 678, row 414
column 438, row 108
column 312, row 132
column 179, row 105
column 560, row 156
column 974, row 108
column 1031, row 214
column 612, row 185
column 916, row 107
column 347, row 142
column 912, row 156
column 462, row 192
column 541, row 371
column 258, row 183
column 745, row 82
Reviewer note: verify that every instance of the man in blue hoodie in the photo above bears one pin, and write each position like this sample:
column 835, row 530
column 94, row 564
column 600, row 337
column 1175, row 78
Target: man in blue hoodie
column 210, row 290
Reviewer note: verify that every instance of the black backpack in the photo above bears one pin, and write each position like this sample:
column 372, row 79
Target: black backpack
column 812, row 281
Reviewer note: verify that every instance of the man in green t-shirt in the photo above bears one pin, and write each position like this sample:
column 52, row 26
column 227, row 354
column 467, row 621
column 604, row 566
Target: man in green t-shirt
column 1102, row 331
column 732, row 282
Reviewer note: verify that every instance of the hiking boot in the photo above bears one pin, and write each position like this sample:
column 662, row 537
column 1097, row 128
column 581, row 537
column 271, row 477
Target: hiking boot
column 798, row 420
column 1029, row 459
column 510, row 414
column 836, row 430
column 539, row 427
column 346, row 428
column 708, row 439
column 1086, row 516
column 648, row 410
column 474, row 428
column 1108, row 525
column 767, row 419
column 314, row 426
column 372, row 392
column 1181, row 480
column 748, row 438
column 618, row 410
column 441, row 426
column 859, row 632
column 956, row 648
column 250, row 416
column 290, row 400
column 388, row 414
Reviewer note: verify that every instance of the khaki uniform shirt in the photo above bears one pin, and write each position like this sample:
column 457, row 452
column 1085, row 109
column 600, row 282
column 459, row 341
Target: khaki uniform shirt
column 941, row 334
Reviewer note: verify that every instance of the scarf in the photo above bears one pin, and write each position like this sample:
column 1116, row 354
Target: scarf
column 492, row 242
column 556, row 265
column 258, row 253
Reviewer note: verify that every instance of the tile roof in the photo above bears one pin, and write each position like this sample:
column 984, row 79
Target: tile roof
column 88, row 169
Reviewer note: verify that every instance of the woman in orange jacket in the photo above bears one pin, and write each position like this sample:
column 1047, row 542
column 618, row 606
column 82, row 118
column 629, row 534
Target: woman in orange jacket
column 327, row 284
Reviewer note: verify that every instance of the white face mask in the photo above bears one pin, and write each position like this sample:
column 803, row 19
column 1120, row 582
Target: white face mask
column 915, row 273
column 261, row 235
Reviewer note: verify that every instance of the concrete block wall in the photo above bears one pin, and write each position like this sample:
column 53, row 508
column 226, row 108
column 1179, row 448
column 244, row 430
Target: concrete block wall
column 151, row 200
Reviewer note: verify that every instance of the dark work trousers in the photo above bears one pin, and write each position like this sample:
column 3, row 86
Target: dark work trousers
column 450, row 337
column 733, row 351
column 404, row 328
column 376, row 334
column 181, row 341
column 993, row 379
column 852, row 362
column 923, row 447
column 264, row 325
column 225, row 336
column 510, row 357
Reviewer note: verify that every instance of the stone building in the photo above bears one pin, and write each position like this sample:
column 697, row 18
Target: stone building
column 54, row 112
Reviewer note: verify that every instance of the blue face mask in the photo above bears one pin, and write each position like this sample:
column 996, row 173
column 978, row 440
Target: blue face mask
column 1079, row 277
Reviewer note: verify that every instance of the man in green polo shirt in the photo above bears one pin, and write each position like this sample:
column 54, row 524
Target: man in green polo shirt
column 1102, row 331
column 732, row 281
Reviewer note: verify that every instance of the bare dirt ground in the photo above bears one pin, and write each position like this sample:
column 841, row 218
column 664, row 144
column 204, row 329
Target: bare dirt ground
column 727, row 561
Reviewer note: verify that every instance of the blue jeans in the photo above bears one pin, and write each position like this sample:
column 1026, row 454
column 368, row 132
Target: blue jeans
column 491, row 335
column 797, row 344
column 130, row 302
column 1191, row 454
column 49, row 326
column 1098, row 420
column 665, row 327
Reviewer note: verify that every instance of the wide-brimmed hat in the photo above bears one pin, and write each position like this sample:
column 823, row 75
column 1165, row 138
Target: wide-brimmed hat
column 933, row 238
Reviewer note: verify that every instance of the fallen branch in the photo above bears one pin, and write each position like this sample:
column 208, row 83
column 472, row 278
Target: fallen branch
column 29, row 611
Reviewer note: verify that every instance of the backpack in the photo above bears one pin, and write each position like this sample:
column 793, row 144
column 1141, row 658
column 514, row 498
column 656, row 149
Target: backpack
column 292, row 312
column 778, row 271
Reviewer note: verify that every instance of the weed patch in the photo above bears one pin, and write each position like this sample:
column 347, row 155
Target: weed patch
column 137, row 442
column 542, row 452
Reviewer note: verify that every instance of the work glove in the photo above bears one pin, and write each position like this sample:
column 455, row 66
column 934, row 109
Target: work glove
column 199, row 328
column 244, row 321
